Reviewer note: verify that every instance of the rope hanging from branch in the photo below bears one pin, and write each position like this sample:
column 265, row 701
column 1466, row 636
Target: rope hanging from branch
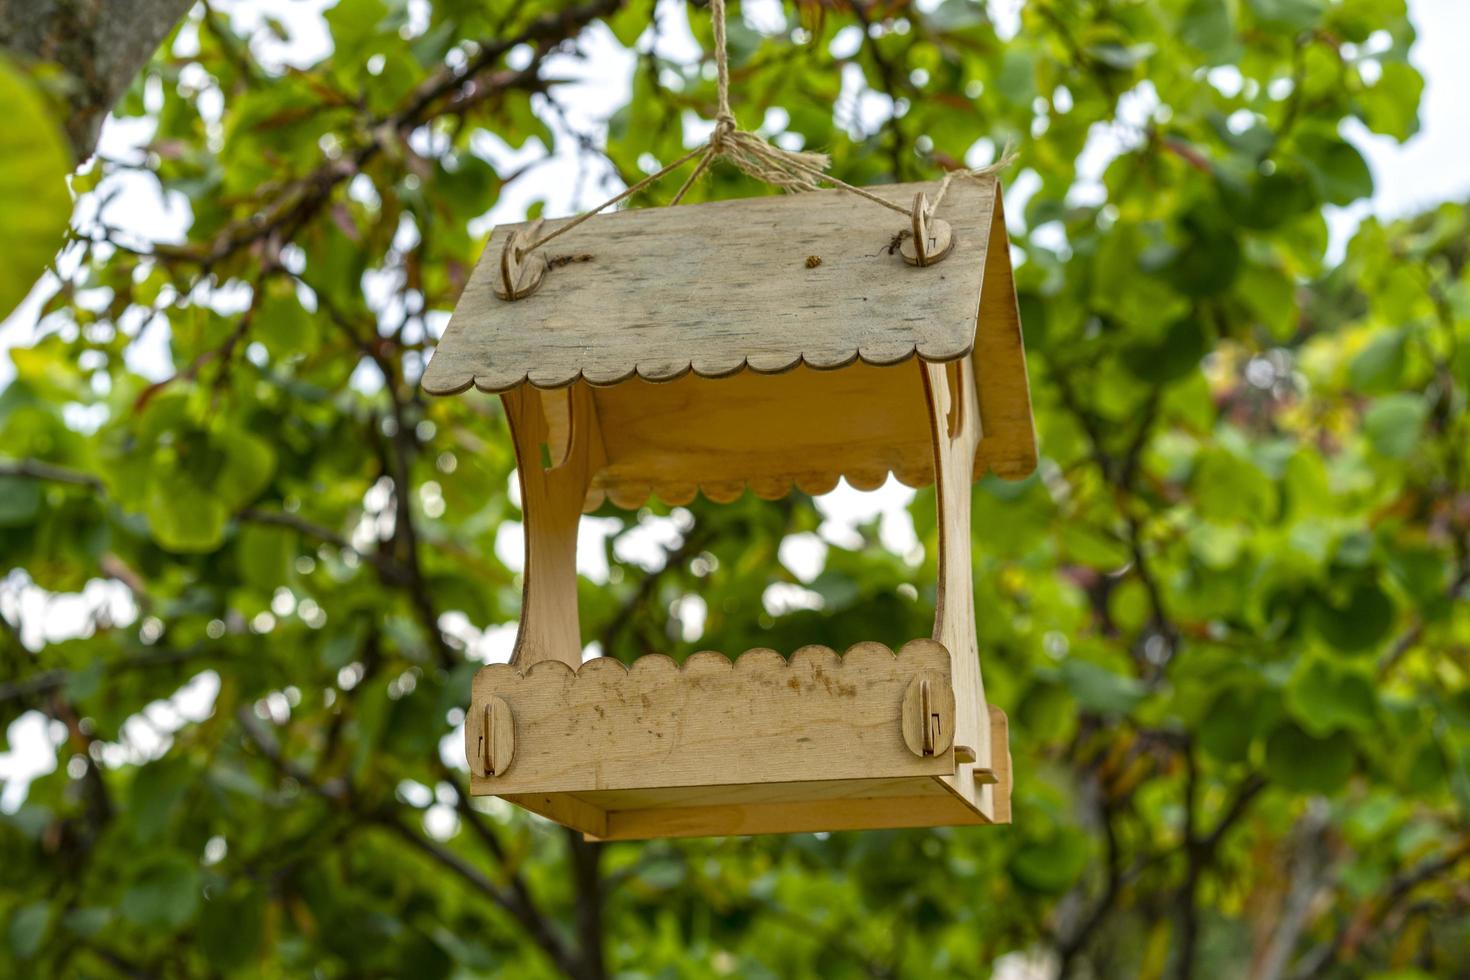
column 789, row 170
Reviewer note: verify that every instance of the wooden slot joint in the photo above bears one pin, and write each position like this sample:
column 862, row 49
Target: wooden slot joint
column 928, row 715
column 521, row 271
column 932, row 238
column 490, row 737
column 999, row 775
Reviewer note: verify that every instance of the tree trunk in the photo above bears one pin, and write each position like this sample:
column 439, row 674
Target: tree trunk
column 100, row 44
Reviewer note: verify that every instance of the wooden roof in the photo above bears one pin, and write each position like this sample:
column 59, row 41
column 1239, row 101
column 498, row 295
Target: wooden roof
column 718, row 287
column 708, row 339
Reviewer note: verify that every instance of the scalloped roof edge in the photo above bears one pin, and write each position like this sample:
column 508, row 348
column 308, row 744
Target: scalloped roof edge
column 462, row 383
column 705, row 660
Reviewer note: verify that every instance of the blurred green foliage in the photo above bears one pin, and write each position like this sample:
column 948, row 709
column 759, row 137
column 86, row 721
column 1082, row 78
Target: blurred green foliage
column 1227, row 616
column 34, row 204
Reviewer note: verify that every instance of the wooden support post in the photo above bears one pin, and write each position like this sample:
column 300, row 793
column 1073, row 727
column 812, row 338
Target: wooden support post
column 559, row 446
column 955, row 418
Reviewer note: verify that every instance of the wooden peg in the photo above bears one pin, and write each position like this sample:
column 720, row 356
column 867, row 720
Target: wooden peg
column 928, row 715
column 489, row 735
column 521, row 272
column 932, row 239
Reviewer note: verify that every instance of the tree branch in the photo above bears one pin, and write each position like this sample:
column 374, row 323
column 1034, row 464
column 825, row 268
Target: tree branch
column 586, row 858
column 35, row 469
column 1374, row 911
column 535, row 925
column 101, row 46
column 54, row 680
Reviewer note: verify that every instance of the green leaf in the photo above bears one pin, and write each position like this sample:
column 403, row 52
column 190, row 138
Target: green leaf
column 165, row 895
column 158, row 790
column 86, row 681
column 1294, row 14
column 1128, row 604
column 264, row 554
column 1206, row 26
column 1235, row 719
column 249, row 463
column 1120, row 57
column 1230, row 488
column 1271, row 295
column 1393, row 424
column 1337, row 169
column 1216, row 546
column 1017, row 78
column 357, row 27
column 281, row 323
column 1391, row 106
column 1050, row 866
column 1357, row 20
column 1174, row 355
column 1378, row 367
column 1266, row 201
column 1099, row 689
column 956, row 15
column 629, row 23
column 1300, row 761
column 231, row 926
column 344, row 645
column 28, row 927
column 34, row 202
column 20, row 501
column 1354, row 621
column 183, row 516
column 1325, row 697
column 88, row 921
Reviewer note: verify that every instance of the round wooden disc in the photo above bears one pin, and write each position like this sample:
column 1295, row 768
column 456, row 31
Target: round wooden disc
column 529, row 274
column 489, row 736
column 941, row 240
column 928, row 714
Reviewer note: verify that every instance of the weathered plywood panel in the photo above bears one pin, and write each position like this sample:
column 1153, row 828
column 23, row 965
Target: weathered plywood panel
column 769, row 432
column 832, row 790
column 717, row 287
column 1007, row 433
column 919, row 801
column 710, row 722
column 790, row 807
column 844, row 809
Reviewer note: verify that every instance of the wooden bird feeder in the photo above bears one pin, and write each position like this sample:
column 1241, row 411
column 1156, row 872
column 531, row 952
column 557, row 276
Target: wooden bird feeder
column 765, row 344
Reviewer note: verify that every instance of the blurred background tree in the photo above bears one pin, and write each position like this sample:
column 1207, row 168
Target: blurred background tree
column 1227, row 616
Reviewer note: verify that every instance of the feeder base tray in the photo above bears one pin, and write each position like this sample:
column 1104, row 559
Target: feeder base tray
column 762, row 745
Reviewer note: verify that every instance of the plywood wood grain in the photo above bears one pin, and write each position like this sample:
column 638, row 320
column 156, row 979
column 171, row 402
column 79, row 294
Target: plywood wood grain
column 717, row 287
column 767, row 432
column 549, row 427
column 711, row 722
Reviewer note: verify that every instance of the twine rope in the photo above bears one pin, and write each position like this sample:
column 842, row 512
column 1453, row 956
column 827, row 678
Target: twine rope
column 790, row 170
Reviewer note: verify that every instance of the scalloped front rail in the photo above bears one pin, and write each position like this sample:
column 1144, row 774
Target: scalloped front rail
column 714, row 747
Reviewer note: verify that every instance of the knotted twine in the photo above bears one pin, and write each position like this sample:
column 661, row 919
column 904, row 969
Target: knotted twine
column 790, row 170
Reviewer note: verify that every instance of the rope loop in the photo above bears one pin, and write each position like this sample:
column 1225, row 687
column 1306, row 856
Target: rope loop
column 719, row 140
column 790, row 170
